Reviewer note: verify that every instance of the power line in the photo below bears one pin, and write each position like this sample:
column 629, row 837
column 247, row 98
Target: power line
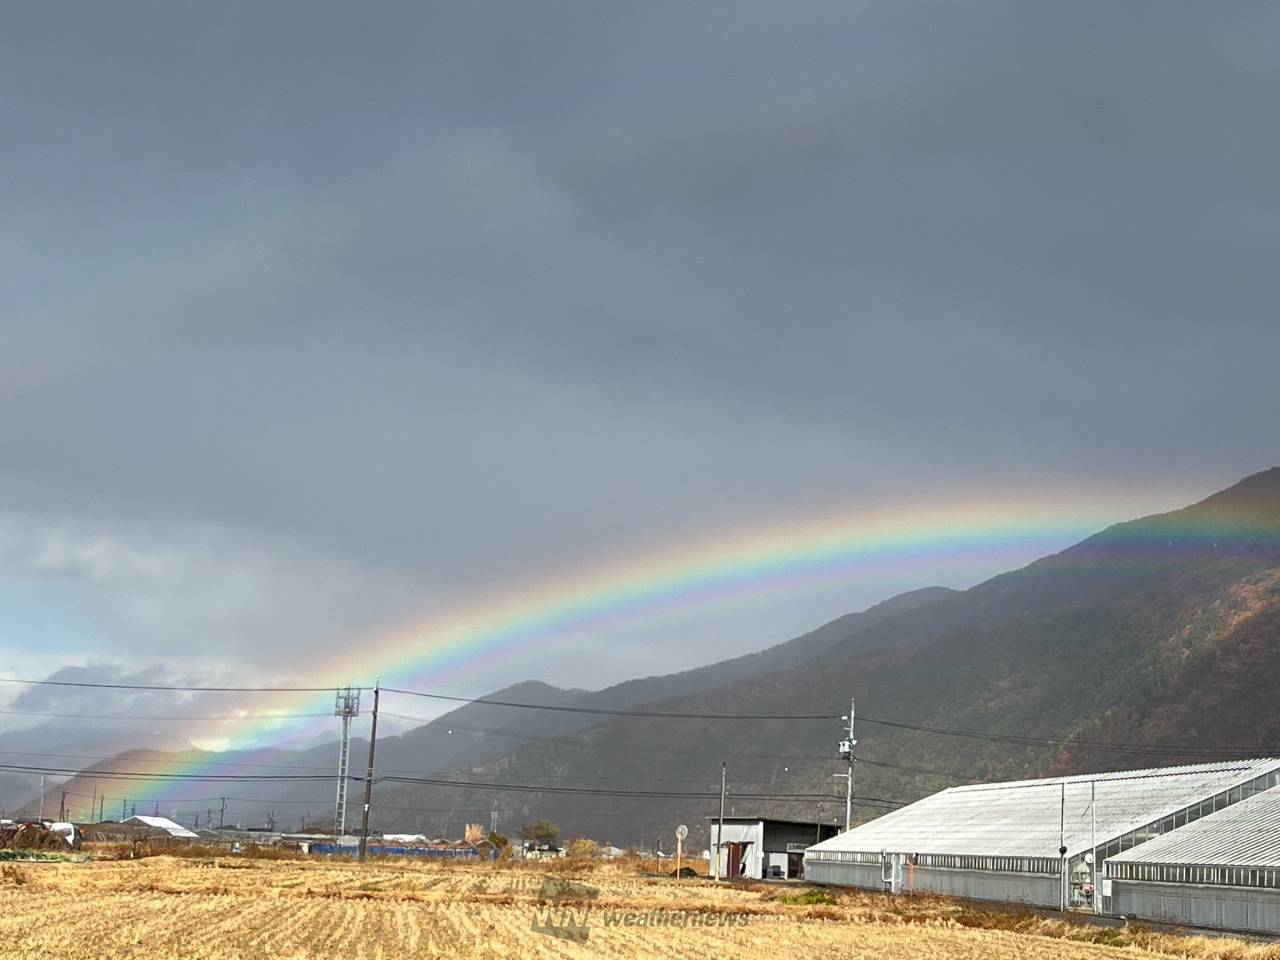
column 182, row 777
column 212, row 775
column 909, row 769
column 1165, row 750
column 574, row 740
column 567, row 741
column 1153, row 750
column 416, row 693
column 165, row 687
column 427, row 781
column 597, row 791
column 459, row 812
column 601, row 711
column 89, row 772
column 174, row 716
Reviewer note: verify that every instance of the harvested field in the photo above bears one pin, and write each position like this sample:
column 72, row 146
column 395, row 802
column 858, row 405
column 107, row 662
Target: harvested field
column 243, row 908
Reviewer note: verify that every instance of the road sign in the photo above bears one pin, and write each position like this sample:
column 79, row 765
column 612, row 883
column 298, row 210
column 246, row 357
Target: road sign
column 682, row 832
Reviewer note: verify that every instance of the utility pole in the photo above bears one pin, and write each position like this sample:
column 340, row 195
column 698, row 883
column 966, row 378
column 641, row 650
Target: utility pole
column 846, row 753
column 222, row 812
column 346, row 704
column 124, row 809
column 41, row 797
column 1062, row 851
column 62, row 807
column 368, row 780
column 720, row 823
column 93, row 804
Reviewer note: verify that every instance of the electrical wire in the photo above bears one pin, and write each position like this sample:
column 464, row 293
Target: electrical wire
column 596, row 791
column 180, row 777
column 172, row 716
column 171, row 687
column 1149, row 749
column 603, row 712
column 574, row 741
column 1152, row 749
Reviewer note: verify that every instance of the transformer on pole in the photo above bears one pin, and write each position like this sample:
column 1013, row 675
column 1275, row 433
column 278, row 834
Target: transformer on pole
column 346, row 704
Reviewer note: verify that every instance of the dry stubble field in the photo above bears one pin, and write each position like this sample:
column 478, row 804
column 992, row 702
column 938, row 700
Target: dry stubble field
column 221, row 908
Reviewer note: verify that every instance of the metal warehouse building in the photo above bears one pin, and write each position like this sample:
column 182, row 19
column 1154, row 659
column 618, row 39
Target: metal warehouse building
column 1001, row 841
column 1222, row 871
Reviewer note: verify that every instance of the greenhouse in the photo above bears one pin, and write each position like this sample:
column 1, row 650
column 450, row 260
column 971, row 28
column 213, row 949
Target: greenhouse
column 1222, row 871
column 1040, row 842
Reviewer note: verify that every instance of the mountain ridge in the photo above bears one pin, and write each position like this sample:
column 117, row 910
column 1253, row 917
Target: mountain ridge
column 1076, row 645
column 1082, row 644
column 472, row 734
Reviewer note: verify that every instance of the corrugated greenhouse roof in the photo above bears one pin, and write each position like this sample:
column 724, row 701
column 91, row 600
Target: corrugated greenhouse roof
column 1021, row 818
column 1245, row 834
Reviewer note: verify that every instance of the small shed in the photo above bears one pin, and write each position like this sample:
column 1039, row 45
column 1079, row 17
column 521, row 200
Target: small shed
column 763, row 848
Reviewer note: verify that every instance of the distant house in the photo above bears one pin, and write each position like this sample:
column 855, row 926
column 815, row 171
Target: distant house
column 532, row 850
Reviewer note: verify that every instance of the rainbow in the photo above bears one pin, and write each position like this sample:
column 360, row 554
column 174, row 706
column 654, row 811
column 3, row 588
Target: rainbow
column 896, row 549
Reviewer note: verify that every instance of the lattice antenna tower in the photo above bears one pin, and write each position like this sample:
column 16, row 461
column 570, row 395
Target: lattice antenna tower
column 346, row 704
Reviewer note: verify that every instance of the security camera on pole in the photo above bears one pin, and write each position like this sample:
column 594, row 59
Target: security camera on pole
column 846, row 753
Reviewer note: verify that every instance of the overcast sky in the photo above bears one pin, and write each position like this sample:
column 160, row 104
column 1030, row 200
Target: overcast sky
column 319, row 316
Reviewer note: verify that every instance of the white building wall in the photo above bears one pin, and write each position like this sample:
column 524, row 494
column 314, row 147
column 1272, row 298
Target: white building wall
column 738, row 833
column 1229, row 908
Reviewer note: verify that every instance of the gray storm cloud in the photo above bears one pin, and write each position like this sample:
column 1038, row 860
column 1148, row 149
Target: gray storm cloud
column 314, row 320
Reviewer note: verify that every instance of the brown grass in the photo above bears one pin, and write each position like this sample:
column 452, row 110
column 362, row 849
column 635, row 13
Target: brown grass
column 237, row 908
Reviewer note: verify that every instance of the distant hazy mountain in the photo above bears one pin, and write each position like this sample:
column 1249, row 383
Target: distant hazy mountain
column 1163, row 632
column 471, row 734
column 46, row 748
column 464, row 738
column 1158, row 639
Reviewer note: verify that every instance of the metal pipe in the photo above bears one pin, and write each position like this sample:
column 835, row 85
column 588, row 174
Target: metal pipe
column 720, row 823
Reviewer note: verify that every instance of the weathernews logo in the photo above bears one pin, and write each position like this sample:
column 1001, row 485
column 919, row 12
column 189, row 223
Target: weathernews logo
column 565, row 912
column 564, row 909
